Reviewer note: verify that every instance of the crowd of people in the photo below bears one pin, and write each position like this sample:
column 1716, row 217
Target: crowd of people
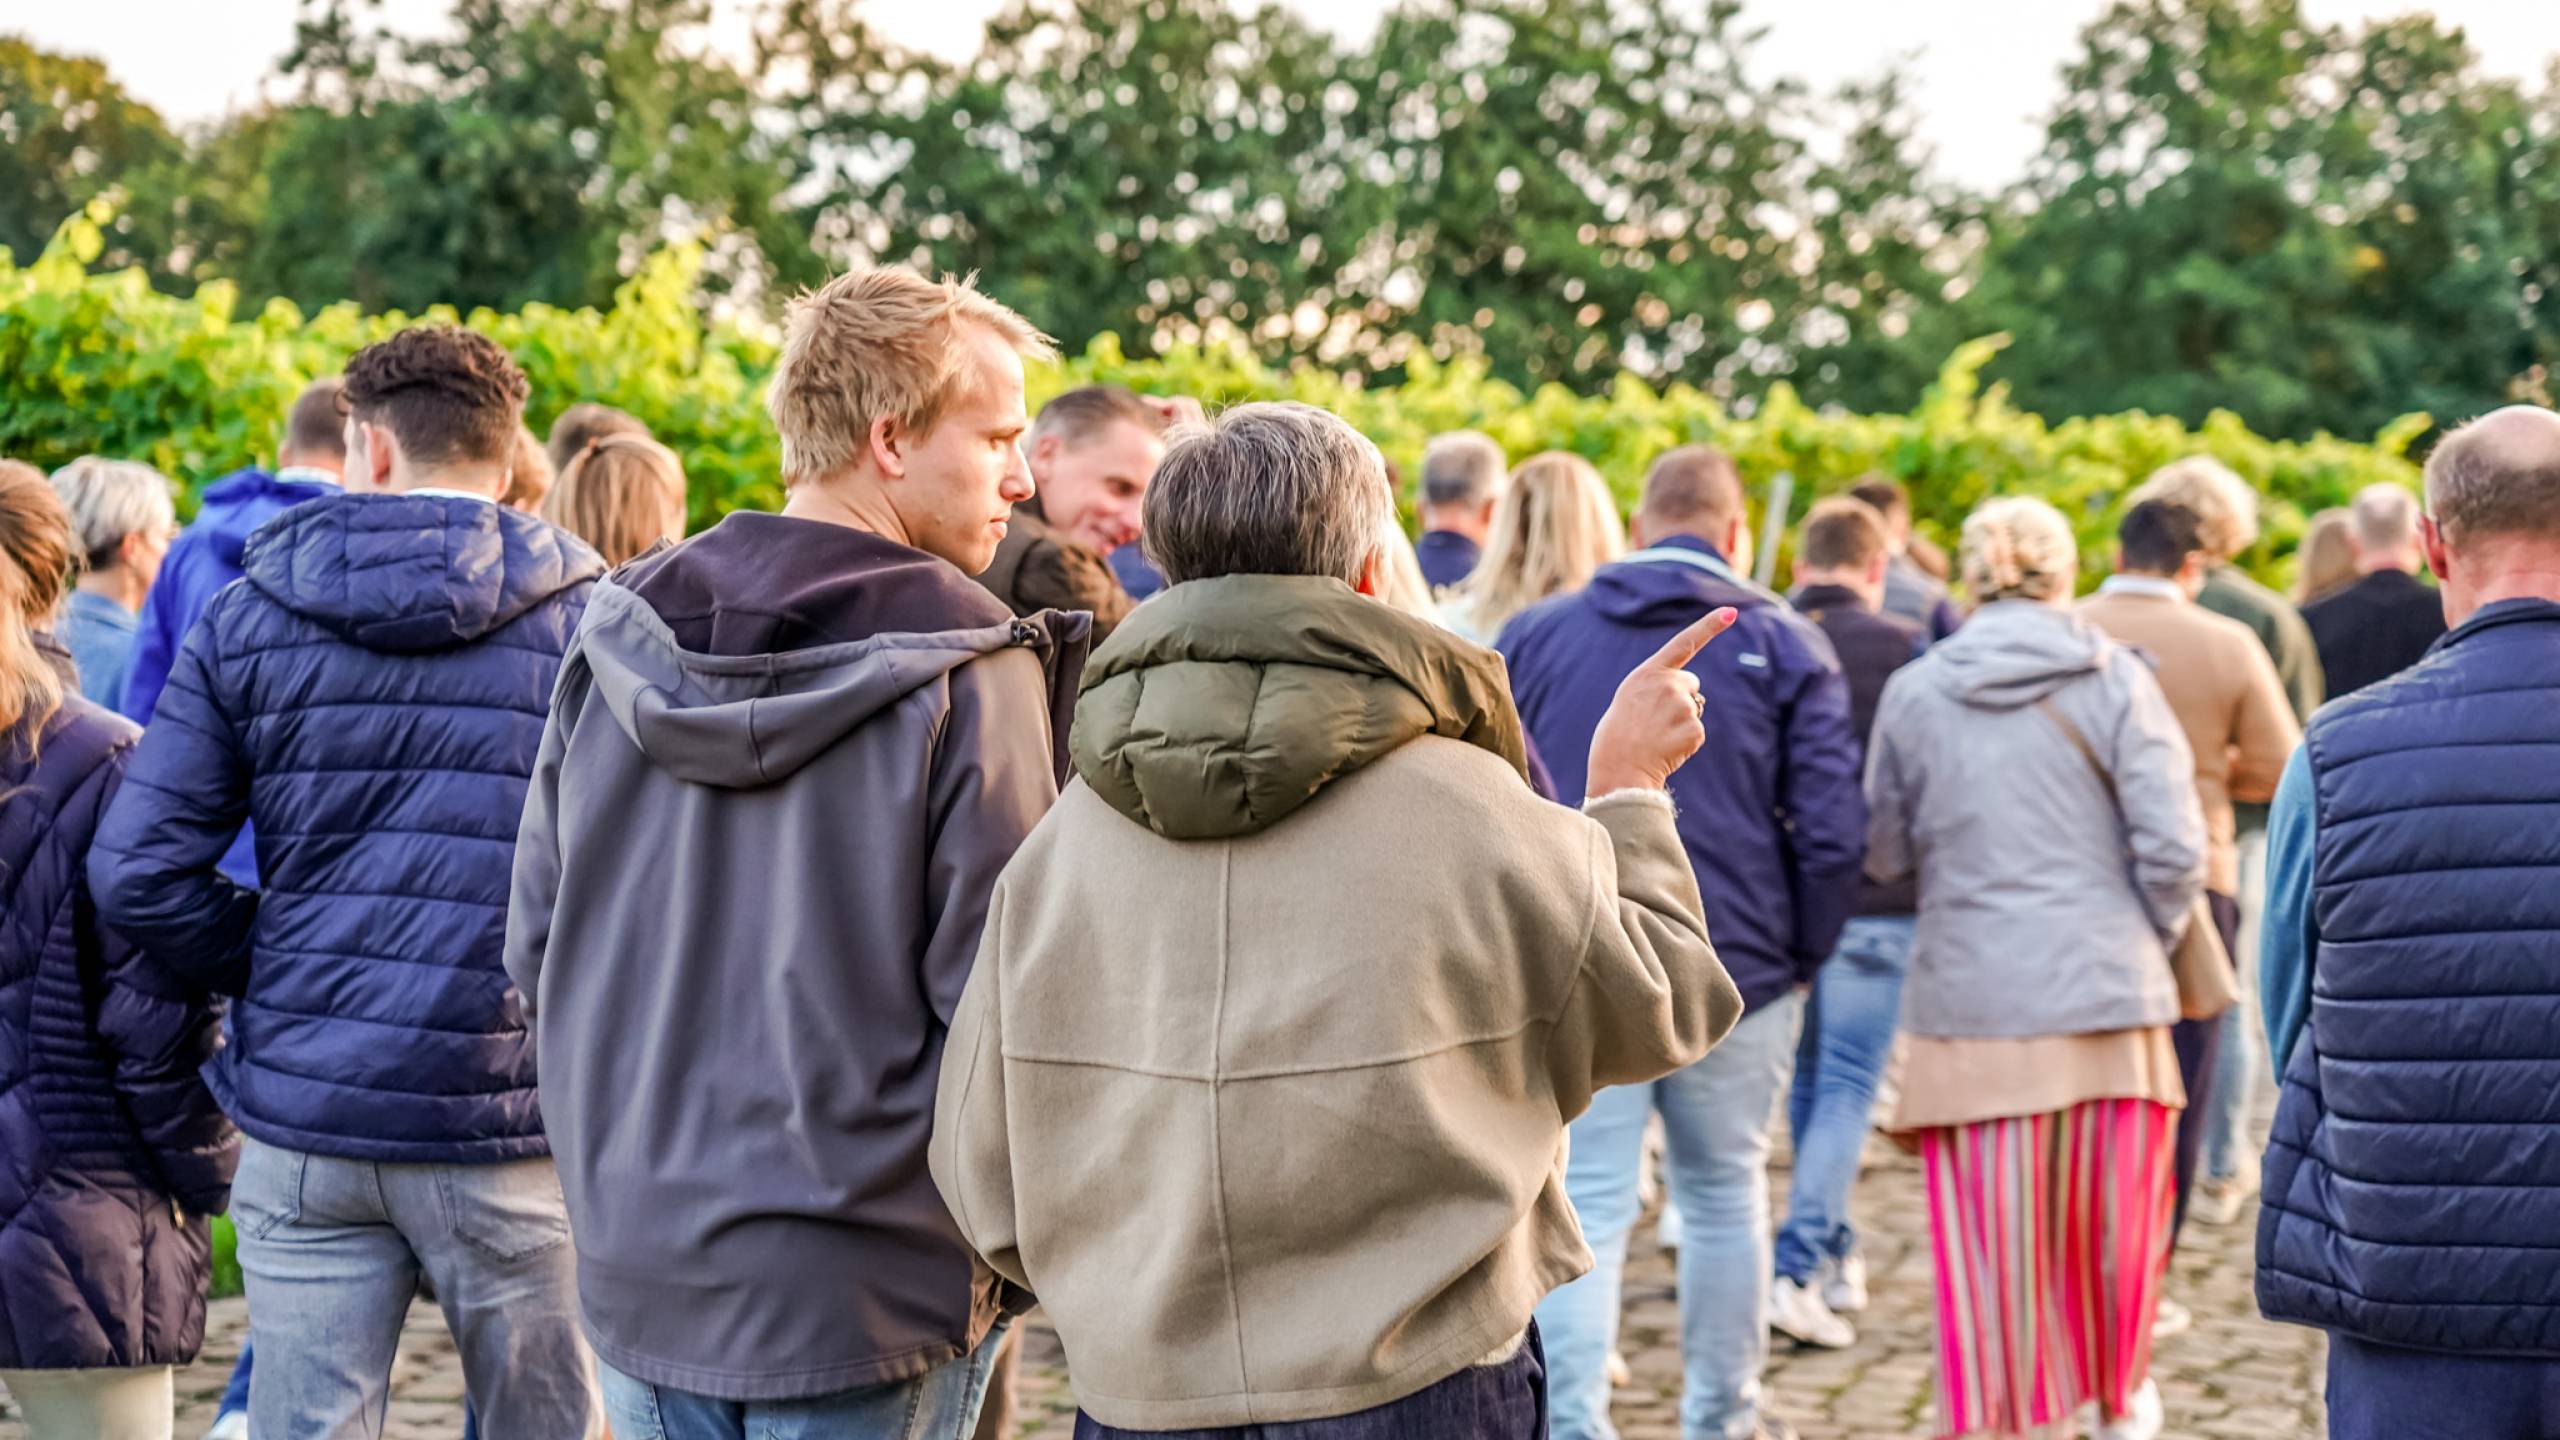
column 1094, row 859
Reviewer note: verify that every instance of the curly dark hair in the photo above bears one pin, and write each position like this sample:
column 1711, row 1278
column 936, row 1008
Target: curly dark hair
column 450, row 397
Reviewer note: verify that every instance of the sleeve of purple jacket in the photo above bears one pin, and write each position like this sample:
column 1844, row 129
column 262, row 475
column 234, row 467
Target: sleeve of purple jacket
column 161, row 629
column 1825, row 806
column 157, row 1032
column 994, row 776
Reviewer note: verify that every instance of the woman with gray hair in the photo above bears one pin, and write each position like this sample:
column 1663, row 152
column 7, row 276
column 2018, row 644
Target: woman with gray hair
column 2030, row 774
column 1331, row 1040
column 123, row 519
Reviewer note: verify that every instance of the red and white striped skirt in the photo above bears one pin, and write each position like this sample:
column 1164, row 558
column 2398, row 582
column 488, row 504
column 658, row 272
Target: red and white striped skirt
column 2051, row 1234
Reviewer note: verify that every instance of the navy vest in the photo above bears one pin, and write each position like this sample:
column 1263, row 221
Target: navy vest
column 2413, row 1182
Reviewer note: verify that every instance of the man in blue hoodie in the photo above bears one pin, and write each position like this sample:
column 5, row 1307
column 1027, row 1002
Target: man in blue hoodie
column 1775, row 827
column 207, row 556
column 372, row 697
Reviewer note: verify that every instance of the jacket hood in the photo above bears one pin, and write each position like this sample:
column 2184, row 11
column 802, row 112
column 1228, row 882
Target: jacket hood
column 739, row 656
column 1221, row 706
column 2013, row 653
column 413, row 573
column 236, row 505
column 1676, row 581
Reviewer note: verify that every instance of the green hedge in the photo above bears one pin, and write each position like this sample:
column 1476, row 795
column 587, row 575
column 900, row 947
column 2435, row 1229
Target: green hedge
column 102, row 363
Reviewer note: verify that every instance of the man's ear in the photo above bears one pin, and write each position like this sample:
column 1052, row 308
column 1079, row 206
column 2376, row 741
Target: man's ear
column 1637, row 538
column 2439, row 555
column 1877, row 567
column 887, row 445
column 1373, row 575
column 382, row 455
column 1484, row 512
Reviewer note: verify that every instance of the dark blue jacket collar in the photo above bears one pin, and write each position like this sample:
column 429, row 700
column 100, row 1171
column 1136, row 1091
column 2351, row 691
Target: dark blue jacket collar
column 2502, row 612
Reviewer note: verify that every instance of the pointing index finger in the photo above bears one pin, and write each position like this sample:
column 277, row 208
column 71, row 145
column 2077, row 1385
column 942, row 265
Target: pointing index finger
column 1684, row 647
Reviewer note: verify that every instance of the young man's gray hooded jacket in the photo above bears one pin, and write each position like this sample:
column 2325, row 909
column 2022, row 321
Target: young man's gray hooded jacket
column 784, row 765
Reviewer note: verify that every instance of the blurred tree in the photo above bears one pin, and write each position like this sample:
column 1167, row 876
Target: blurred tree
column 2237, row 208
column 68, row 132
column 534, row 153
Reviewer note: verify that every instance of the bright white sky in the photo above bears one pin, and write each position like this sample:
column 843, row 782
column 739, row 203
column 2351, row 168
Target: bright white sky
column 1985, row 69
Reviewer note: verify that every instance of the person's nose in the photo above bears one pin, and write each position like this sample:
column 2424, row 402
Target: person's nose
column 1017, row 485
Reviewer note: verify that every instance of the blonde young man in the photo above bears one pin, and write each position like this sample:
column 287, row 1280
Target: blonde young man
column 786, row 760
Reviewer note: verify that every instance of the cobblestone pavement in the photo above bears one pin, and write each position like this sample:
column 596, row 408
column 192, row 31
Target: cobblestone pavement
column 2232, row 1377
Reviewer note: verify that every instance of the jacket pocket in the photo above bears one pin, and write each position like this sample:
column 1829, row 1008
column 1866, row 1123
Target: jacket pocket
column 509, row 1212
column 266, row 1194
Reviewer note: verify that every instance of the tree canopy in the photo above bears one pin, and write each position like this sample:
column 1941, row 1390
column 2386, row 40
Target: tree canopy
column 2319, row 227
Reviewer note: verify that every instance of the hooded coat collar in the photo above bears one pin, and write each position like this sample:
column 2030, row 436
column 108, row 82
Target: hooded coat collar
column 413, row 574
column 1222, row 706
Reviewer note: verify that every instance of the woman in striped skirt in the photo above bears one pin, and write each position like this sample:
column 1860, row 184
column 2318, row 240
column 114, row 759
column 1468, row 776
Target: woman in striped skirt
column 2030, row 773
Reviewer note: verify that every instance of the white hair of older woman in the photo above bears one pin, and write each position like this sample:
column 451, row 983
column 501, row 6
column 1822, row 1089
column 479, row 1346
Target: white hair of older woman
column 1271, row 488
column 111, row 499
column 2226, row 509
column 2019, row 548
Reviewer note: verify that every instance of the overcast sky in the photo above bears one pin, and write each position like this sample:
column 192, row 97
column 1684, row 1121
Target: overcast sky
column 1985, row 69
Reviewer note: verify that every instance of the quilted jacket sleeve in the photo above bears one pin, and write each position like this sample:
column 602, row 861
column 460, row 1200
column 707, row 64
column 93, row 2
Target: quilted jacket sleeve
column 534, row 887
column 157, row 1032
column 185, row 796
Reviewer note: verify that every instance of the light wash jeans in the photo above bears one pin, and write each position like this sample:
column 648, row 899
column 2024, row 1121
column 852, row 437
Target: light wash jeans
column 1849, row 1025
column 2239, row 1071
column 941, row 1404
column 332, row 1250
column 1716, row 1119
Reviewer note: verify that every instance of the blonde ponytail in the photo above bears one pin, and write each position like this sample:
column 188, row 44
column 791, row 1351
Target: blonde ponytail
column 36, row 561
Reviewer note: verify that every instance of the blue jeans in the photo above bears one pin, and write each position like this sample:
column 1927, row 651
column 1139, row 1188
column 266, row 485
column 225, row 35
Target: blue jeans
column 1716, row 1116
column 332, row 1250
column 2227, row 1142
column 941, row 1404
column 1849, row 1024
column 1503, row 1401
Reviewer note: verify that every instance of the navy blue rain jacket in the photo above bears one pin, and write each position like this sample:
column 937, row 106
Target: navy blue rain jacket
column 114, row 1154
column 372, row 698
column 1770, row 810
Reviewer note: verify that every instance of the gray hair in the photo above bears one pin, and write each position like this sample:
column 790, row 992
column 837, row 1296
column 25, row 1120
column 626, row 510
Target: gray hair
column 2384, row 518
column 1463, row 467
column 2498, row 475
column 2226, row 509
column 2019, row 548
column 1278, row 488
column 111, row 499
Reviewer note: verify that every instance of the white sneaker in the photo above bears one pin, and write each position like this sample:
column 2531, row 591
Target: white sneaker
column 2222, row 1200
column 229, row 1425
column 2170, row 1319
column 1620, row 1377
column 1797, row 1312
column 2142, row 1421
column 1844, row 1284
column 1666, row 1230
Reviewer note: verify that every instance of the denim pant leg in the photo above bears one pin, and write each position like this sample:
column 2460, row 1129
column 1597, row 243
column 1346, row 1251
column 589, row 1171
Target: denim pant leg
column 329, row 1279
column 1579, row 1322
column 2236, row 1074
column 235, row 1396
column 941, row 1404
column 2381, row 1392
column 1716, row 1118
column 1850, row 1020
column 495, row 1240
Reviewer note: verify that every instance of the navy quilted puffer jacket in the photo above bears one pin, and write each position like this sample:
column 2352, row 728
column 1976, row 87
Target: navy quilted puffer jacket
column 111, row 1152
column 371, row 695
column 2413, row 1183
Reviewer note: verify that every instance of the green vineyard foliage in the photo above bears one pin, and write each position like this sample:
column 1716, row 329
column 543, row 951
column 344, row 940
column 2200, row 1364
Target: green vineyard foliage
column 102, row 363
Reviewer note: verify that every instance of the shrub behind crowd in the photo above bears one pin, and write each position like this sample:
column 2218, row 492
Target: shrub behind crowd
column 102, row 363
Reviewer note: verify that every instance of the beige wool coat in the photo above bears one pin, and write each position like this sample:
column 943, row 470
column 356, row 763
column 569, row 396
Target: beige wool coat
column 1273, row 1120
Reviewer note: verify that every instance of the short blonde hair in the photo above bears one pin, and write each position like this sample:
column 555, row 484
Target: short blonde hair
column 875, row 344
column 2226, row 509
column 2019, row 548
column 1555, row 525
column 621, row 493
column 111, row 499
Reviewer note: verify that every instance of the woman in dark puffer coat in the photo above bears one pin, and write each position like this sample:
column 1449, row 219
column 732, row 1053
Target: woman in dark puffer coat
column 112, row 1154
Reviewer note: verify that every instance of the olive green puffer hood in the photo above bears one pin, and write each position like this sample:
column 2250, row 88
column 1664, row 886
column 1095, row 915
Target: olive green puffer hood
column 1221, row 706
